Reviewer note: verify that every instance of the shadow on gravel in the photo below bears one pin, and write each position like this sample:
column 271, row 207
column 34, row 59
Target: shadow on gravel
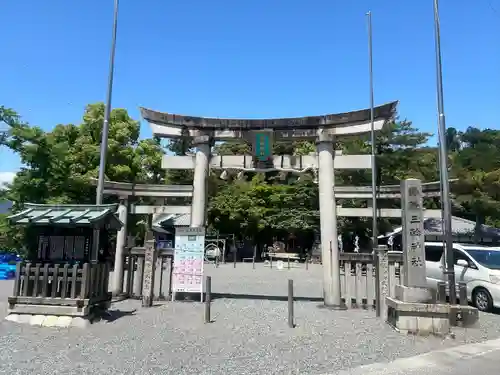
column 112, row 315
column 264, row 297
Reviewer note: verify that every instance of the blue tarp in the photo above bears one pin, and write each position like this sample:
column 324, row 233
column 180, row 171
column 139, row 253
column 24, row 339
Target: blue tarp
column 8, row 265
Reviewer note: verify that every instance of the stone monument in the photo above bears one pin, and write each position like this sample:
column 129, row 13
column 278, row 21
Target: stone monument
column 415, row 307
column 414, row 285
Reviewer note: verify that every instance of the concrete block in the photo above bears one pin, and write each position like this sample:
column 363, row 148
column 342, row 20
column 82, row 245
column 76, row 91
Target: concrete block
column 63, row 321
column 49, row 321
column 418, row 318
column 412, row 325
column 441, row 326
column 13, row 318
column 414, row 294
column 404, row 323
column 79, row 322
column 467, row 316
column 37, row 320
column 24, row 318
column 424, row 326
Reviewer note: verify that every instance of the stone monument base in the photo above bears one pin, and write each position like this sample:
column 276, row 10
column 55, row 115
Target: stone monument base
column 418, row 318
column 415, row 294
column 427, row 318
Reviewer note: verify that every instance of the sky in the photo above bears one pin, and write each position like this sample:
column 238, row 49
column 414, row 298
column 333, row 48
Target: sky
column 254, row 59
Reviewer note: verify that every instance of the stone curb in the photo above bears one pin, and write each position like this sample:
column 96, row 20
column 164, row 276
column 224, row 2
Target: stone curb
column 437, row 358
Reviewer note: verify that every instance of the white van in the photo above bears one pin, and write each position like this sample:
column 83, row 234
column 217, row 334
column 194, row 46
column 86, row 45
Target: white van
column 478, row 266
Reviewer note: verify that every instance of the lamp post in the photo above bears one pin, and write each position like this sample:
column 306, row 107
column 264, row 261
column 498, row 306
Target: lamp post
column 449, row 269
column 107, row 111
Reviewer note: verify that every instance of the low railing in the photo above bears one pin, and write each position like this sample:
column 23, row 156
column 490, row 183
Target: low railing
column 358, row 278
column 59, row 289
column 357, row 275
column 134, row 260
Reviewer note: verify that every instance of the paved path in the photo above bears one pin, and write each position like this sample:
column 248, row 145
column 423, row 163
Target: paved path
column 480, row 358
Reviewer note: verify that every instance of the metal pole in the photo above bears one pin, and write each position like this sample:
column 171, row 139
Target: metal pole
column 208, row 298
column 372, row 132
column 374, row 166
column 443, row 161
column 107, row 111
column 290, row 304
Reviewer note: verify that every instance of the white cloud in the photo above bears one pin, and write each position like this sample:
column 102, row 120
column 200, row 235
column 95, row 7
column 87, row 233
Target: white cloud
column 6, row 178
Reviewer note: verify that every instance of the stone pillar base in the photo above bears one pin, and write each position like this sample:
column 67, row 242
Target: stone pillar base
column 421, row 319
column 414, row 294
column 425, row 319
column 333, row 307
column 53, row 320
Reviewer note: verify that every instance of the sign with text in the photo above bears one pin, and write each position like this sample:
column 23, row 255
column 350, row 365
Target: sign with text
column 263, row 145
column 412, row 216
column 189, row 251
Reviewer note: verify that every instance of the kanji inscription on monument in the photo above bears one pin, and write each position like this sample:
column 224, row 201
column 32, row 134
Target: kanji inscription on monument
column 412, row 216
column 149, row 269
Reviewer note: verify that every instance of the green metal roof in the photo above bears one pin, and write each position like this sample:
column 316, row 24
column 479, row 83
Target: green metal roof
column 66, row 214
column 172, row 220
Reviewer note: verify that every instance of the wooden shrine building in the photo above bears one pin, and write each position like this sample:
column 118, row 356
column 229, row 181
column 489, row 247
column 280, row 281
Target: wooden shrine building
column 65, row 273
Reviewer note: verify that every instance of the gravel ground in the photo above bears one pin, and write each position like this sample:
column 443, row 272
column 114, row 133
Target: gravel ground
column 248, row 336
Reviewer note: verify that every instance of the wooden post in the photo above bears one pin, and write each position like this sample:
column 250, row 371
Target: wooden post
column 149, row 273
column 290, row 304
column 86, row 275
column 45, row 282
column 17, row 280
column 170, row 275
column 208, row 298
column 254, row 255
column 307, row 262
column 235, row 252
column 383, row 288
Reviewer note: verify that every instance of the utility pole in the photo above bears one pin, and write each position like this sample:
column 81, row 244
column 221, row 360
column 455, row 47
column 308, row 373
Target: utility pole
column 107, row 111
column 449, row 269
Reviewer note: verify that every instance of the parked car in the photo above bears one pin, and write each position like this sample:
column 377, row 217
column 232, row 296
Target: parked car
column 478, row 266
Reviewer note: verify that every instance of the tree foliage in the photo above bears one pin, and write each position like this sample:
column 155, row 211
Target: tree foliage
column 58, row 166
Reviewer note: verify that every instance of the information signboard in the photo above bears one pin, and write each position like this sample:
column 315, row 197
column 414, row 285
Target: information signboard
column 187, row 275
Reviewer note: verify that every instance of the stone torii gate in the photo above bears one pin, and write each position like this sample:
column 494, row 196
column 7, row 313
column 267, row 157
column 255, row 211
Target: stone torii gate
column 323, row 130
column 124, row 191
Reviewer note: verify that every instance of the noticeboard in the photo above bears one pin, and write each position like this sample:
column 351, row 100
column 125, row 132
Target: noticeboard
column 187, row 275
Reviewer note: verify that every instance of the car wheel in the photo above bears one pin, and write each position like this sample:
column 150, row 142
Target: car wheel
column 482, row 300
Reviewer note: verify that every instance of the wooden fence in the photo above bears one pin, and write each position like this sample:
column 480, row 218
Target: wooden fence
column 59, row 289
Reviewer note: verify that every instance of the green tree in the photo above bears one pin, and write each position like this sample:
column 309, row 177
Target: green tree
column 477, row 166
column 259, row 209
column 57, row 166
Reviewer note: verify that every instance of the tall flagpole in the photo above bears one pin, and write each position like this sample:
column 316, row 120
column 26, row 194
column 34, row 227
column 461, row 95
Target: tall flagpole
column 107, row 111
column 372, row 129
column 373, row 140
column 449, row 270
